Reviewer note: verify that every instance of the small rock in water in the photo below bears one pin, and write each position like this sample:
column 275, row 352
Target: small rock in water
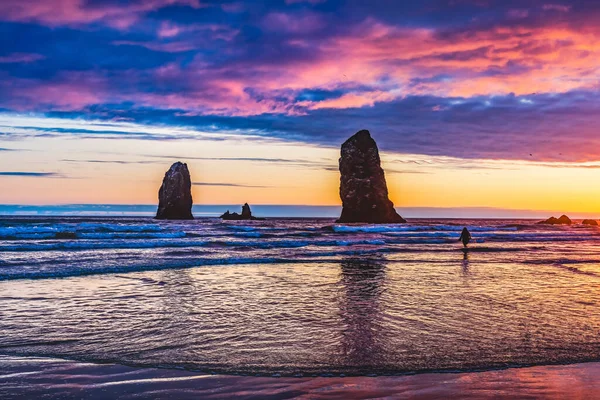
column 246, row 215
column 592, row 222
column 563, row 220
column 65, row 235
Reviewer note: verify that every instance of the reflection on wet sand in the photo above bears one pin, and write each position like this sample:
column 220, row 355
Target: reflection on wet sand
column 353, row 317
column 362, row 282
column 465, row 262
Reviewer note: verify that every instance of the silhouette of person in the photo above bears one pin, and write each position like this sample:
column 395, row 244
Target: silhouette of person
column 465, row 237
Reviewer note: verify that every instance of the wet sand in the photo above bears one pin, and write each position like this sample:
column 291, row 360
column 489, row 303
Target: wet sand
column 28, row 378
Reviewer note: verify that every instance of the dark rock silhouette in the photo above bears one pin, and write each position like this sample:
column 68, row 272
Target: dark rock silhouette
column 246, row 215
column 465, row 237
column 590, row 222
column 175, row 194
column 65, row 235
column 563, row 220
column 363, row 188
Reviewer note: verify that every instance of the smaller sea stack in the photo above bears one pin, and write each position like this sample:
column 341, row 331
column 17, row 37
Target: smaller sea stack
column 363, row 188
column 563, row 220
column 245, row 215
column 175, row 194
column 591, row 222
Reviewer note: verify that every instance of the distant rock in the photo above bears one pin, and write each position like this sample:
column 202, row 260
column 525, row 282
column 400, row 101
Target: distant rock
column 65, row 235
column 549, row 221
column 175, row 194
column 590, row 222
column 563, row 220
column 246, row 215
column 229, row 216
column 363, row 188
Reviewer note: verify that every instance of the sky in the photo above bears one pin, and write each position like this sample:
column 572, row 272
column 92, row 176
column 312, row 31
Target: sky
column 473, row 103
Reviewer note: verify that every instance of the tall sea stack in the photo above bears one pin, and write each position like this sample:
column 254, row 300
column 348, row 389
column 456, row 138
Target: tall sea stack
column 363, row 188
column 175, row 194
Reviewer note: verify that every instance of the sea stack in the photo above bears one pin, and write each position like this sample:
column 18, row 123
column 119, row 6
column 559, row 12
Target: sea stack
column 246, row 213
column 363, row 189
column 175, row 194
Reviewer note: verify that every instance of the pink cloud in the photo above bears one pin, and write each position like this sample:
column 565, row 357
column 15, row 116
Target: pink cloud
column 293, row 23
column 375, row 50
column 518, row 13
column 168, row 29
column 75, row 12
column 20, row 58
column 167, row 47
column 234, row 8
column 386, row 62
column 556, row 7
column 72, row 91
column 172, row 40
column 351, row 100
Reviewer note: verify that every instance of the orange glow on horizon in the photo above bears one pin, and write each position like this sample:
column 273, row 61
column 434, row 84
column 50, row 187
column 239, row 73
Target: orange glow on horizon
column 309, row 177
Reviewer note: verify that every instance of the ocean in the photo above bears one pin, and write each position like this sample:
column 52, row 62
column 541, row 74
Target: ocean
column 299, row 297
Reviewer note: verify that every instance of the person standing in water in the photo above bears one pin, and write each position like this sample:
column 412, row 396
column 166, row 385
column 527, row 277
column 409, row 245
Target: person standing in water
column 465, row 237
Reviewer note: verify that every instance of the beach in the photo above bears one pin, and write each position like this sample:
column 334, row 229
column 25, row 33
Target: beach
column 47, row 378
column 296, row 307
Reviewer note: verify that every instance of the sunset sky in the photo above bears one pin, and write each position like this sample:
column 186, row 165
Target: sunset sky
column 473, row 103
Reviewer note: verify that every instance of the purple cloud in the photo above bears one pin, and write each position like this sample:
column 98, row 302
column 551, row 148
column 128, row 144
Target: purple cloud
column 497, row 76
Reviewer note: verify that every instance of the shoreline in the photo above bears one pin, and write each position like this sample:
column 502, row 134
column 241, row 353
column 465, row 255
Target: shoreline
column 25, row 358
column 278, row 211
column 33, row 377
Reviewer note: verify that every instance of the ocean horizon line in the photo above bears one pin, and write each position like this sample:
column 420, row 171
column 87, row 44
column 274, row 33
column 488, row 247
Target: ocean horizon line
column 280, row 211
